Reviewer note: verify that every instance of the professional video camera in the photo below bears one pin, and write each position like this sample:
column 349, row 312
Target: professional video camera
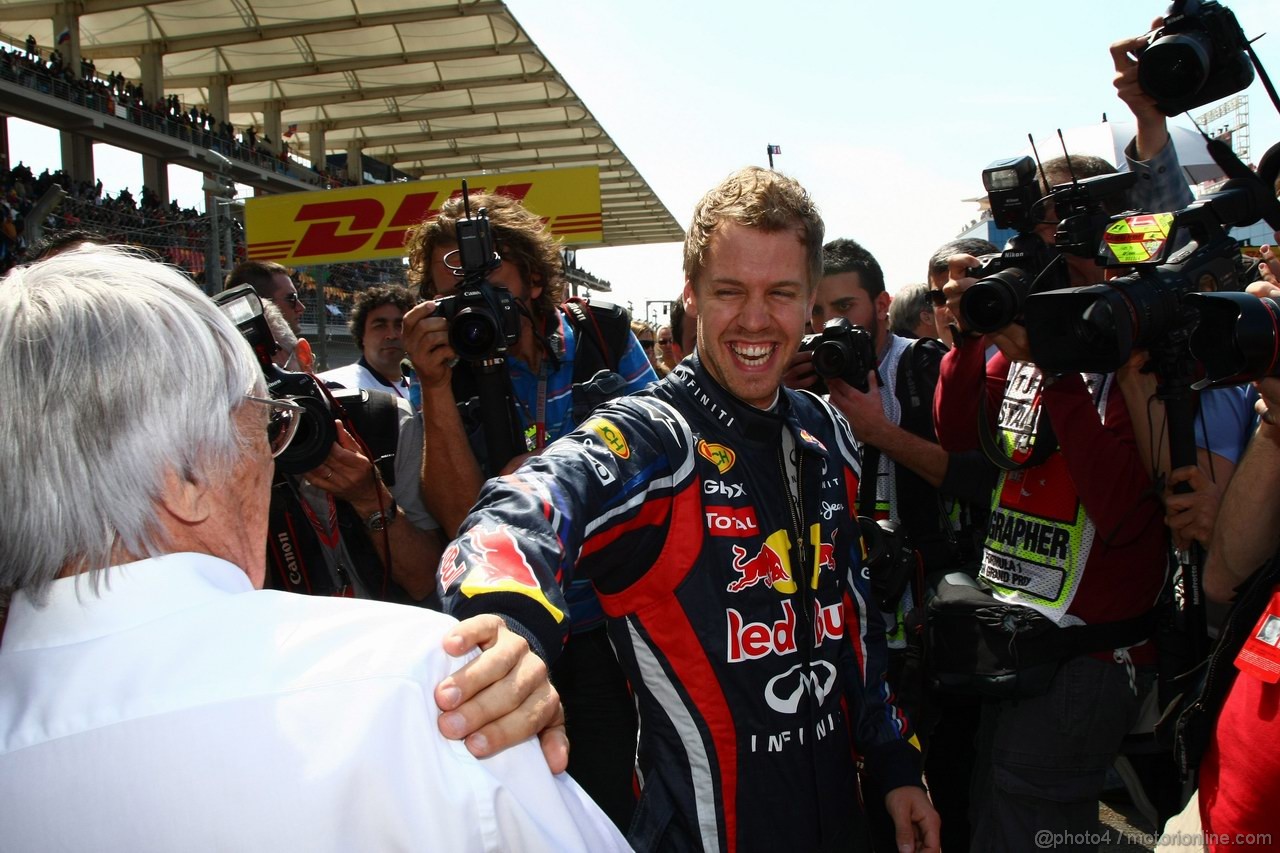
column 1199, row 55
column 1027, row 262
column 483, row 319
column 1096, row 328
column 841, row 351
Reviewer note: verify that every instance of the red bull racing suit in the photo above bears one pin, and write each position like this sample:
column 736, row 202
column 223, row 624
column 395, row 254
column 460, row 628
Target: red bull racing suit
column 722, row 543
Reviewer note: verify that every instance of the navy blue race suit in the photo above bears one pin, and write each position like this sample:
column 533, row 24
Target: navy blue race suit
column 740, row 617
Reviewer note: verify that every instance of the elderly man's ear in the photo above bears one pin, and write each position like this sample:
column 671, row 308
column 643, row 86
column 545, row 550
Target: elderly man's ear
column 186, row 499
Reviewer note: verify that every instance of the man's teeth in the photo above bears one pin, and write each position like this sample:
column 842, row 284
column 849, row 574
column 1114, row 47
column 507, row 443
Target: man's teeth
column 753, row 352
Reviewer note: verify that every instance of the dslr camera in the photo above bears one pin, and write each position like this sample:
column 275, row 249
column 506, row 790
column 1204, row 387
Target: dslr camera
column 892, row 560
column 1004, row 278
column 316, row 433
column 1199, row 55
column 1237, row 338
column 841, row 351
column 484, row 319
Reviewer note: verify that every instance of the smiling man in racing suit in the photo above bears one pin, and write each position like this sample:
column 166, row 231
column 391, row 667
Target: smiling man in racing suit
column 713, row 514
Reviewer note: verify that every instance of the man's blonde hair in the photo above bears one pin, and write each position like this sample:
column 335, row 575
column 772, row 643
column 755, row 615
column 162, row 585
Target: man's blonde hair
column 756, row 198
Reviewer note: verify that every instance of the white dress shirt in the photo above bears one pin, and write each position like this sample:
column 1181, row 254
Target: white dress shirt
column 180, row 709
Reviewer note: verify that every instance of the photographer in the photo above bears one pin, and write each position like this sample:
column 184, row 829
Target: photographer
column 910, row 314
column 939, row 274
column 936, row 499
column 349, row 527
column 1074, row 536
column 552, row 373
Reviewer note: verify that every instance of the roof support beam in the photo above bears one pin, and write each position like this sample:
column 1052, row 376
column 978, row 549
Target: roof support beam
column 303, row 70
column 407, row 90
column 244, row 35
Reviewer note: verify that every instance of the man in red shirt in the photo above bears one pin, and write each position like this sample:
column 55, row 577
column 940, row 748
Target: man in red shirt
column 1240, row 773
column 1075, row 535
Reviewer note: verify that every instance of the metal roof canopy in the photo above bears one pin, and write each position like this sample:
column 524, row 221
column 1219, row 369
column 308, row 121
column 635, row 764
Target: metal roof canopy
column 445, row 88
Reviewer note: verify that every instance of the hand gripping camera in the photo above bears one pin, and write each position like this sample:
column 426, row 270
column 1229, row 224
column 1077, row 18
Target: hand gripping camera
column 316, row 432
column 484, row 320
column 841, row 351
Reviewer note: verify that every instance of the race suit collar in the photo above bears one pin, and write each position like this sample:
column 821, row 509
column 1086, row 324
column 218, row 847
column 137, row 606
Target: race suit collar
column 718, row 405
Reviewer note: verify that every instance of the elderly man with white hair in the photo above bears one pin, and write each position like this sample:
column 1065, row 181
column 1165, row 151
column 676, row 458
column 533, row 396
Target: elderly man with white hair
column 152, row 697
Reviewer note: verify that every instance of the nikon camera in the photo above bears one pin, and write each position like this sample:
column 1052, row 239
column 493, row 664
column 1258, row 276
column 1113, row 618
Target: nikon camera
column 1197, row 57
column 841, row 351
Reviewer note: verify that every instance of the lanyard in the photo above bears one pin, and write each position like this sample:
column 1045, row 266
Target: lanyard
column 539, row 438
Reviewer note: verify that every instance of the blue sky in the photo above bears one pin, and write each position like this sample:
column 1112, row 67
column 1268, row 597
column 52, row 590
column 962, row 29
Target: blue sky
column 887, row 112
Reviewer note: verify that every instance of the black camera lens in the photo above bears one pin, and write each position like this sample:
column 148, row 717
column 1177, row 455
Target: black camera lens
column 315, row 436
column 1175, row 67
column 473, row 334
column 832, row 358
column 1238, row 336
column 994, row 302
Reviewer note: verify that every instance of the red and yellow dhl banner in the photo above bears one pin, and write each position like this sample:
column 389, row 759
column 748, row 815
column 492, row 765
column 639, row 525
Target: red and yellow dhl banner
column 370, row 222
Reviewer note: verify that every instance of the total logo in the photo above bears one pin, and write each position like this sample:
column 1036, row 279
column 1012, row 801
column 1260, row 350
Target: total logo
column 728, row 490
column 754, row 640
column 731, row 521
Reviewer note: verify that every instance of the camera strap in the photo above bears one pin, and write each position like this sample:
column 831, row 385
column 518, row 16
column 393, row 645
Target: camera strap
column 1262, row 72
column 868, row 481
column 1043, row 444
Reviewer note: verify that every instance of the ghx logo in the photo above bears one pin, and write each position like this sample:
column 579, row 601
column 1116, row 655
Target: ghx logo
column 728, row 490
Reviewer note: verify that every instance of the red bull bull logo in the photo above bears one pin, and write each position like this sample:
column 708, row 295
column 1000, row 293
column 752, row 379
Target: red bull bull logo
column 492, row 561
column 771, row 565
column 808, row 438
column 826, row 556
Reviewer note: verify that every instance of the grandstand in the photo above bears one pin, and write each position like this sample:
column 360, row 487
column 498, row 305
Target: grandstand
column 284, row 98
